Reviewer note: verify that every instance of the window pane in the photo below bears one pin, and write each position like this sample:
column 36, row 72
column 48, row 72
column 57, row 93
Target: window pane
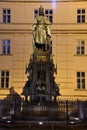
column 78, row 74
column 7, row 82
column 7, row 85
column 83, row 74
column 4, row 50
column 7, row 79
column 83, row 19
column 4, row 11
column 83, row 86
column 9, row 19
column 78, row 48
column 51, row 19
column 78, row 11
column 35, row 11
column 2, row 82
column 82, row 42
column 46, row 11
column 83, row 10
column 82, row 48
column 51, row 11
column 7, row 73
column 8, row 50
column 4, row 19
column 78, row 80
column 78, row 52
column 2, row 73
column 78, row 86
column 82, row 52
column 78, row 19
column 8, row 11
column 83, row 80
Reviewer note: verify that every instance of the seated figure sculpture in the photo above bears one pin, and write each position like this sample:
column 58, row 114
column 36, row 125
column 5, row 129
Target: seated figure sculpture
column 41, row 31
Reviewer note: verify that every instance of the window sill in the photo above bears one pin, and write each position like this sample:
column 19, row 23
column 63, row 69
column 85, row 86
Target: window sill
column 80, row 89
column 5, row 54
column 80, row 55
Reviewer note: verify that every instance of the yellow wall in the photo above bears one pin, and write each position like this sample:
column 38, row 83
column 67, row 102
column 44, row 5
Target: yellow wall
column 65, row 32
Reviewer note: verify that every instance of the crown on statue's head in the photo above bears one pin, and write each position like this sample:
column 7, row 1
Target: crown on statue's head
column 41, row 10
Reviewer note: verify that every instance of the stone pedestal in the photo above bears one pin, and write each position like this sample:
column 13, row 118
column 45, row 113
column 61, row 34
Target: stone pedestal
column 41, row 86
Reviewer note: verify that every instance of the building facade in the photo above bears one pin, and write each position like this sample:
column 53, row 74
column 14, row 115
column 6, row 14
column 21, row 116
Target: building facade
column 69, row 43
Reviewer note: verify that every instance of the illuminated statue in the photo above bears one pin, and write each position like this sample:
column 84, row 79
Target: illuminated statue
column 41, row 86
column 41, row 31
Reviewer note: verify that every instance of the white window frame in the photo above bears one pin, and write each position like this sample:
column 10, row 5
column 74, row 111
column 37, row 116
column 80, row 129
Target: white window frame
column 4, row 79
column 81, row 15
column 6, row 46
column 49, row 14
column 80, row 47
column 6, row 15
column 81, row 80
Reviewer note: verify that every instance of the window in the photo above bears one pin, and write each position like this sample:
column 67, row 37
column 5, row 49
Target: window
column 36, row 13
column 80, row 15
column 6, row 15
column 6, row 47
column 4, row 79
column 48, row 13
column 80, row 80
column 80, row 49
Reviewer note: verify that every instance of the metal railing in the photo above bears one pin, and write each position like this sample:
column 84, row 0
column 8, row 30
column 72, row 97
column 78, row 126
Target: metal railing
column 61, row 111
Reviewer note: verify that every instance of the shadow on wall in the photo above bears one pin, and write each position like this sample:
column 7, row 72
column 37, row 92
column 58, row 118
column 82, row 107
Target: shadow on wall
column 82, row 110
column 11, row 104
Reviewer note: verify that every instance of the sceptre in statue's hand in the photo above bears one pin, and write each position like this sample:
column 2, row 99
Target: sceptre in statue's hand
column 41, row 31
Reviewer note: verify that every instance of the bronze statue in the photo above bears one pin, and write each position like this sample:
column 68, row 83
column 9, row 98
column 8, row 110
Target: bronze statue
column 40, row 85
column 41, row 31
